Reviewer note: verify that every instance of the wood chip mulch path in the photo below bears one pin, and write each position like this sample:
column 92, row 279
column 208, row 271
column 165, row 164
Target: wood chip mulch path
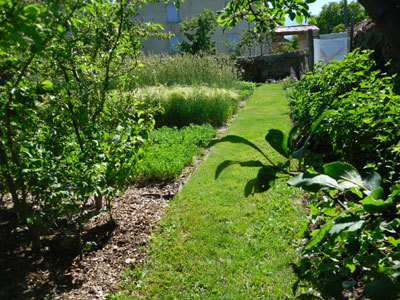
column 61, row 274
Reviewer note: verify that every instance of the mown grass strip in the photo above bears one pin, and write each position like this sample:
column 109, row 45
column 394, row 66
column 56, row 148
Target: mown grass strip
column 213, row 243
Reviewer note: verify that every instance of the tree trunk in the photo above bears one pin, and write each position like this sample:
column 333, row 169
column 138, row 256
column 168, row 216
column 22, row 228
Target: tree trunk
column 98, row 201
column 386, row 15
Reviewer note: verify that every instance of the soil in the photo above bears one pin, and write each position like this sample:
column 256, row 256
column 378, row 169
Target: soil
column 119, row 244
column 61, row 274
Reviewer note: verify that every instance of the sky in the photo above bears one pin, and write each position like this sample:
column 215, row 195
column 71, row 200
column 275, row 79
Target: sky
column 315, row 9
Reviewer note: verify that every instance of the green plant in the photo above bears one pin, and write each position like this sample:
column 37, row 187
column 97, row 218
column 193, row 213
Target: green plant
column 251, row 43
column 58, row 146
column 185, row 70
column 354, row 224
column 246, row 89
column 197, row 31
column 364, row 128
column 331, row 17
column 214, row 243
column 182, row 106
column 266, row 14
column 172, row 149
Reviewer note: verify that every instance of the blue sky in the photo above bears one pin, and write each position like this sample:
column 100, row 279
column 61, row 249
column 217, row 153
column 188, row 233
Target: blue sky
column 315, row 9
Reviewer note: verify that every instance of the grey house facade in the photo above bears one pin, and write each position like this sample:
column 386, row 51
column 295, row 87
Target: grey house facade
column 169, row 17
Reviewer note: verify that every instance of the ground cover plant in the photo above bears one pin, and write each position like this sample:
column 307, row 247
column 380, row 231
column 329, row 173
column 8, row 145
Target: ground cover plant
column 185, row 70
column 213, row 242
column 172, row 149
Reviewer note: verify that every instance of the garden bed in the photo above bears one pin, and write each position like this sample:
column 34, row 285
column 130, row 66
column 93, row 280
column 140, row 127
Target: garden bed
column 60, row 274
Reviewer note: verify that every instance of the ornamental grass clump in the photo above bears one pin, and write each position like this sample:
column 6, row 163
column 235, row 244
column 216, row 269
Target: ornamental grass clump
column 182, row 106
column 185, row 70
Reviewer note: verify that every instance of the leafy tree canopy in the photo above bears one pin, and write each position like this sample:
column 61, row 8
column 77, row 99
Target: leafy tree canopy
column 331, row 18
column 198, row 31
column 264, row 13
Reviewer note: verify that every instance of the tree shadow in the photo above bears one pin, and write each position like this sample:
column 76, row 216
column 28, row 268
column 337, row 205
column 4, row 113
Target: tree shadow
column 25, row 277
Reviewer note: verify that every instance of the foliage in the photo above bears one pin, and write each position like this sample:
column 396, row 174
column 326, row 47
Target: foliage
column 198, row 31
column 58, row 147
column 332, row 16
column 295, row 42
column 251, row 43
column 246, row 89
column 185, row 70
column 182, row 106
column 172, row 149
column 364, row 128
column 266, row 14
column 214, row 243
column 339, row 28
column 355, row 223
column 355, row 243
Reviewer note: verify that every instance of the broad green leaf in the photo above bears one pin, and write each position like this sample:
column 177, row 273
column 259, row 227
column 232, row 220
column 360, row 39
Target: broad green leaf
column 222, row 166
column 47, row 84
column 319, row 235
column 298, row 154
column 345, row 174
column 279, row 141
column 299, row 19
column 312, row 182
column 374, row 202
column 32, row 9
column 348, row 226
column 372, row 182
column 235, row 140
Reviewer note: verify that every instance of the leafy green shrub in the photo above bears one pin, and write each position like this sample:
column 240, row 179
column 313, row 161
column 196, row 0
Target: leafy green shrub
column 172, row 149
column 352, row 236
column 58, row 147
column 185, row 105
column 364, row 128
column 185, row 70
column 198, row 32
column 246, row 89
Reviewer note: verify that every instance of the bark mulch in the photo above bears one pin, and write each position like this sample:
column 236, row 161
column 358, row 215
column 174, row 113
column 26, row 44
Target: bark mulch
column 119, row 244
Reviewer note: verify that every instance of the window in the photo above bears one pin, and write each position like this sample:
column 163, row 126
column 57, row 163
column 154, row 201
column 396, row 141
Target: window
column 233, row 38
column 172, row 44
column 172, row 13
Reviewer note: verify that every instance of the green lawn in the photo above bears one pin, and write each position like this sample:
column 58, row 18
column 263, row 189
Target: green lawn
column 213, row 243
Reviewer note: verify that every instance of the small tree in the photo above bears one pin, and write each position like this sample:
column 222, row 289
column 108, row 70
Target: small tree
column 198, row 31
column 331, row 18
column 252, row 43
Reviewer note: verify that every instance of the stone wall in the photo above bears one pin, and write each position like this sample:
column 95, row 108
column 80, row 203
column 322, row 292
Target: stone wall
column 274, row 66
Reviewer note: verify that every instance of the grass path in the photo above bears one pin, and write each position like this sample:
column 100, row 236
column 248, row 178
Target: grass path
column 213, row 243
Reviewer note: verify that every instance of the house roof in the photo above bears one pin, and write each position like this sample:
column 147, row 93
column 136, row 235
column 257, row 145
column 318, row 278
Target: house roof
column 296, row 29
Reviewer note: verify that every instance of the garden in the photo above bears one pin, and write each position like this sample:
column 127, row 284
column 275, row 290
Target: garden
column 167, row 177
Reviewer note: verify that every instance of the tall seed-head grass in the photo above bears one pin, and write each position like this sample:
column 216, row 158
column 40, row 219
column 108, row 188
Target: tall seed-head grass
column 186, row 70
column 190, row 105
